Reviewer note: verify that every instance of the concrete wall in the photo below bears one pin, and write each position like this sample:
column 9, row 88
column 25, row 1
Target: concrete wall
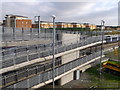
column 67, row 78
column 66, row 40
column 83, row 69
column 69, row 57
column 70, row 38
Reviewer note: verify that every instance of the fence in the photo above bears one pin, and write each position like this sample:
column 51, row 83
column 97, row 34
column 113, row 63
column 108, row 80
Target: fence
column 16, row 34
column 42, row 68
column 19, row 34
column 19, row 55
column 45, row 76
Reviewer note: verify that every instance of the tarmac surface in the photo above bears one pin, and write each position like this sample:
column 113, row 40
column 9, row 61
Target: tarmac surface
column 83, row 82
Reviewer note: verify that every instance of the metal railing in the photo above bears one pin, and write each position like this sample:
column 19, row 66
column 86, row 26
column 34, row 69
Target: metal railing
column 41, row 68
column 19, row 34
column 44, row 76
column 9, row 34
column 17, row 56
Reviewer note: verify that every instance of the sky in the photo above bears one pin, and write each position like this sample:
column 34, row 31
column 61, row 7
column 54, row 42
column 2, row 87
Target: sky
column 79, row 11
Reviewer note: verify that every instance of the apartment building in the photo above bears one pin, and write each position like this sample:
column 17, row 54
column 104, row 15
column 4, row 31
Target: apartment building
column 76, row 25
column 69, row 25
column 46, row 24
column 43, row 24
column 64, row 25
column 93, row 26
column 108, row 27
column 112, row 27
column 17, row 21
column 61, row 25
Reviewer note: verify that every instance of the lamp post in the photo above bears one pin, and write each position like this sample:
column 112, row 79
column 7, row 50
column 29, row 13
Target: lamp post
column 102, row 34
column 14, row 22
column 14, row 26
column 39, row 28
column 53, row 61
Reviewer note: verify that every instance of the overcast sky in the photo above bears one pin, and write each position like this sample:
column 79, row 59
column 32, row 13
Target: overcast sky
column 78, row 11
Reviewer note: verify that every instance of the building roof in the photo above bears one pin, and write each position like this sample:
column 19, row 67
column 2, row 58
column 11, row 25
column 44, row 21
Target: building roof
column 43, row 22
column 63, row 22
column 11, row 15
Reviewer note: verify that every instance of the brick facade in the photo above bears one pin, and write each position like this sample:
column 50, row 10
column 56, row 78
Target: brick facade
column 24, row 23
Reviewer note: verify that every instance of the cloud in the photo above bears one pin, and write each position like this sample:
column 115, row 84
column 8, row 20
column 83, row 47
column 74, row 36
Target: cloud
column 59, row 0
column 91, row 12
column 110, row 16
column 71, row 9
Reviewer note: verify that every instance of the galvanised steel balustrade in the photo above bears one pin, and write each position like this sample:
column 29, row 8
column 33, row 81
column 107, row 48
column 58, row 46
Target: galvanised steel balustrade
column 43, row 72
column 35, row 76
column 28, row 72
column 19, row 34
column 17, row 56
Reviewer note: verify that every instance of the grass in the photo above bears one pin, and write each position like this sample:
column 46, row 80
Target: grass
column 113, row 54
column 95, row 71
column 108, row 80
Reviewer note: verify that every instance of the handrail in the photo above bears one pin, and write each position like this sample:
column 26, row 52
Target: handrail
column 65, row 67
column 39, row 53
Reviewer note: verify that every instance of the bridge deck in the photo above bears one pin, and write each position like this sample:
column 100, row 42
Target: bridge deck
column 17, row 66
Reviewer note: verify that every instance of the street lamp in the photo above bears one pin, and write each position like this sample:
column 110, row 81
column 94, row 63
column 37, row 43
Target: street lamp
column 14, row 22
column 102, row 34
column 53, row 61
column 14, row 26
column 39, row 28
